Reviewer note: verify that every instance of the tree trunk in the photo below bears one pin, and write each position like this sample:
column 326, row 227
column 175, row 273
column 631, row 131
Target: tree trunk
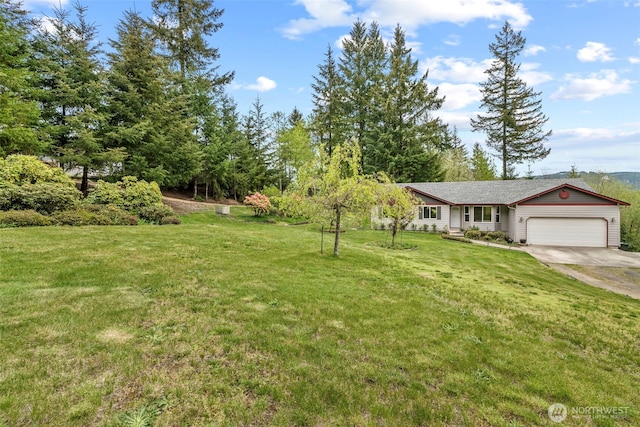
column 394, row 231
column 336, row 242
column 84, row 187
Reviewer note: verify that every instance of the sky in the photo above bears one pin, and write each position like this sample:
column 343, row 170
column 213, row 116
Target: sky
column 583, row 56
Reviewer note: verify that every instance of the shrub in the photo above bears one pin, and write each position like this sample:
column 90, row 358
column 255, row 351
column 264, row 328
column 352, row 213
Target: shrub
column 259, row 202
column 289, row 206
column 498, row 235
column 42, row 197
column 129, row 194
column 20, row 169
column 79, row 217
column 472, row 234
column 116, row 215
column 155, row 213
column 23, row 218
column 170, row 220
column 434, row 228
column 456, row 238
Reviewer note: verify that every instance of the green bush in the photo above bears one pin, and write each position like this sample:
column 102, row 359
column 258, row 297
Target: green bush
column 155, row 213
column 129, row 194
column 23, row 218
column 19, row 170
column 42, row 197
column 170, row 220
column 79, row 217
column 116, row 215
column 497, row 235
column 472, row 234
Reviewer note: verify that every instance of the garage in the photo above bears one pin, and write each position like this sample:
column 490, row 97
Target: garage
column 591, row 232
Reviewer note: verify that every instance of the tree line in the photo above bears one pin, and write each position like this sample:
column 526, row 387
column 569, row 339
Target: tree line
column 152, row 104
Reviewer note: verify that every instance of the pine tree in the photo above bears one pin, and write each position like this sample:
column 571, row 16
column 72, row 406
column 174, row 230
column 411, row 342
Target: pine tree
column 514, row 121
column 405, row 142
column 148, row 112
column 73, row 102
column 362, row 67
column 19, row 112
column 327, row 121
column 482, row 168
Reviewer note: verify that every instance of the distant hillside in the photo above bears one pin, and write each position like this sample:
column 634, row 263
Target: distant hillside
column 632, row 178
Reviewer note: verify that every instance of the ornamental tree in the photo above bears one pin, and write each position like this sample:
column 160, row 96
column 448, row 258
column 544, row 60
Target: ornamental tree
column 259, row 202
column 399, row 205
column 336, row 187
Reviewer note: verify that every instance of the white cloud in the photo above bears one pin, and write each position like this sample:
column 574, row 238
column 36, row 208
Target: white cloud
column 262, row 84
column 456, row 70
column 458, row 96
column 531, row 76
column 38, row 3
column 410, row 14
column 596, row 85
column 323, row 14
column 594, row 51
column 533, row 50
column 452, row 40
column 460, row 119
column 634, row 59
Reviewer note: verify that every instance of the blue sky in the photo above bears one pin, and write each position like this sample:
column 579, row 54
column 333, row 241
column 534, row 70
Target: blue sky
column 583, row 55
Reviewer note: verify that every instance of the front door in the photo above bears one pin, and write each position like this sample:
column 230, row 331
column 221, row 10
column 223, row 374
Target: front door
column 455, row 217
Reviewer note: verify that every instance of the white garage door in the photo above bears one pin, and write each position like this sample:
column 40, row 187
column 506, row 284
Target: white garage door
column 567, row 232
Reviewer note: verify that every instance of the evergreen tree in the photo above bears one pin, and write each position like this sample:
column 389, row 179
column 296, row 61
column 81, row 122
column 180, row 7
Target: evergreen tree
column 19, row 112
column 257, row 132
column 482, row 168
column 514, row 120
column 327, row 121
column 148, row 111
column 362, row 66
column 407, row 137
column 73, row 101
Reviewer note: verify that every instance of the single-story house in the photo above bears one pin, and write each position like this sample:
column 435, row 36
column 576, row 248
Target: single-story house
column 555, row 212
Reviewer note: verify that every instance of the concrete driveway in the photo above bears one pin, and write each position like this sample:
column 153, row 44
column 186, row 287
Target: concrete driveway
column 584, row 256
column 612, row 269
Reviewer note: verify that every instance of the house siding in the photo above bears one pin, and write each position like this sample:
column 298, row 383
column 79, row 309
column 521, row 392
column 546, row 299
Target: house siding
column 487, row 226
column 418, row 224
column 575, row 198
column 606, row 212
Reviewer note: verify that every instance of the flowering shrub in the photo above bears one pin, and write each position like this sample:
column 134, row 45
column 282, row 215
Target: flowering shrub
column 259, row 202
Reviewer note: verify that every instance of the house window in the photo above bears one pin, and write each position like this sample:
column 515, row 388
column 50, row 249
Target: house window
column 431, row 212
column 482, row 214
column 467, row 214
column 497, row 213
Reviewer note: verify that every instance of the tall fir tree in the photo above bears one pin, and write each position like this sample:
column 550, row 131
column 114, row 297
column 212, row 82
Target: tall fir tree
column 73, row 101
column 148, row 111
column 327, row 122
column 19, row 112
column 405, row 145
column 514, row 121
column 362, row 66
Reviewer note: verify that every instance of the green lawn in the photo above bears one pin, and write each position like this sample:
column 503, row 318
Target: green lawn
column 224, row 321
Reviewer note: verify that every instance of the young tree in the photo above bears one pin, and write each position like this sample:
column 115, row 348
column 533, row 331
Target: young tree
column 337, row 187
column 514, row 121
column 482, row 168
column 19, row 112
column 399, row 205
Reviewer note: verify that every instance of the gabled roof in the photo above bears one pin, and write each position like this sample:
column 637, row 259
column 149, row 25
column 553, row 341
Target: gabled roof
column 507, row 192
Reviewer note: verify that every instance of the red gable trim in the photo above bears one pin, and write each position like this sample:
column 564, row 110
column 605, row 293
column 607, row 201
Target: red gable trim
column 446, row 202
column 582, row 190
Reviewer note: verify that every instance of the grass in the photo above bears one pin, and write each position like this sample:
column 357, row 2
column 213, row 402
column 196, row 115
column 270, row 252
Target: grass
column 225, row 321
